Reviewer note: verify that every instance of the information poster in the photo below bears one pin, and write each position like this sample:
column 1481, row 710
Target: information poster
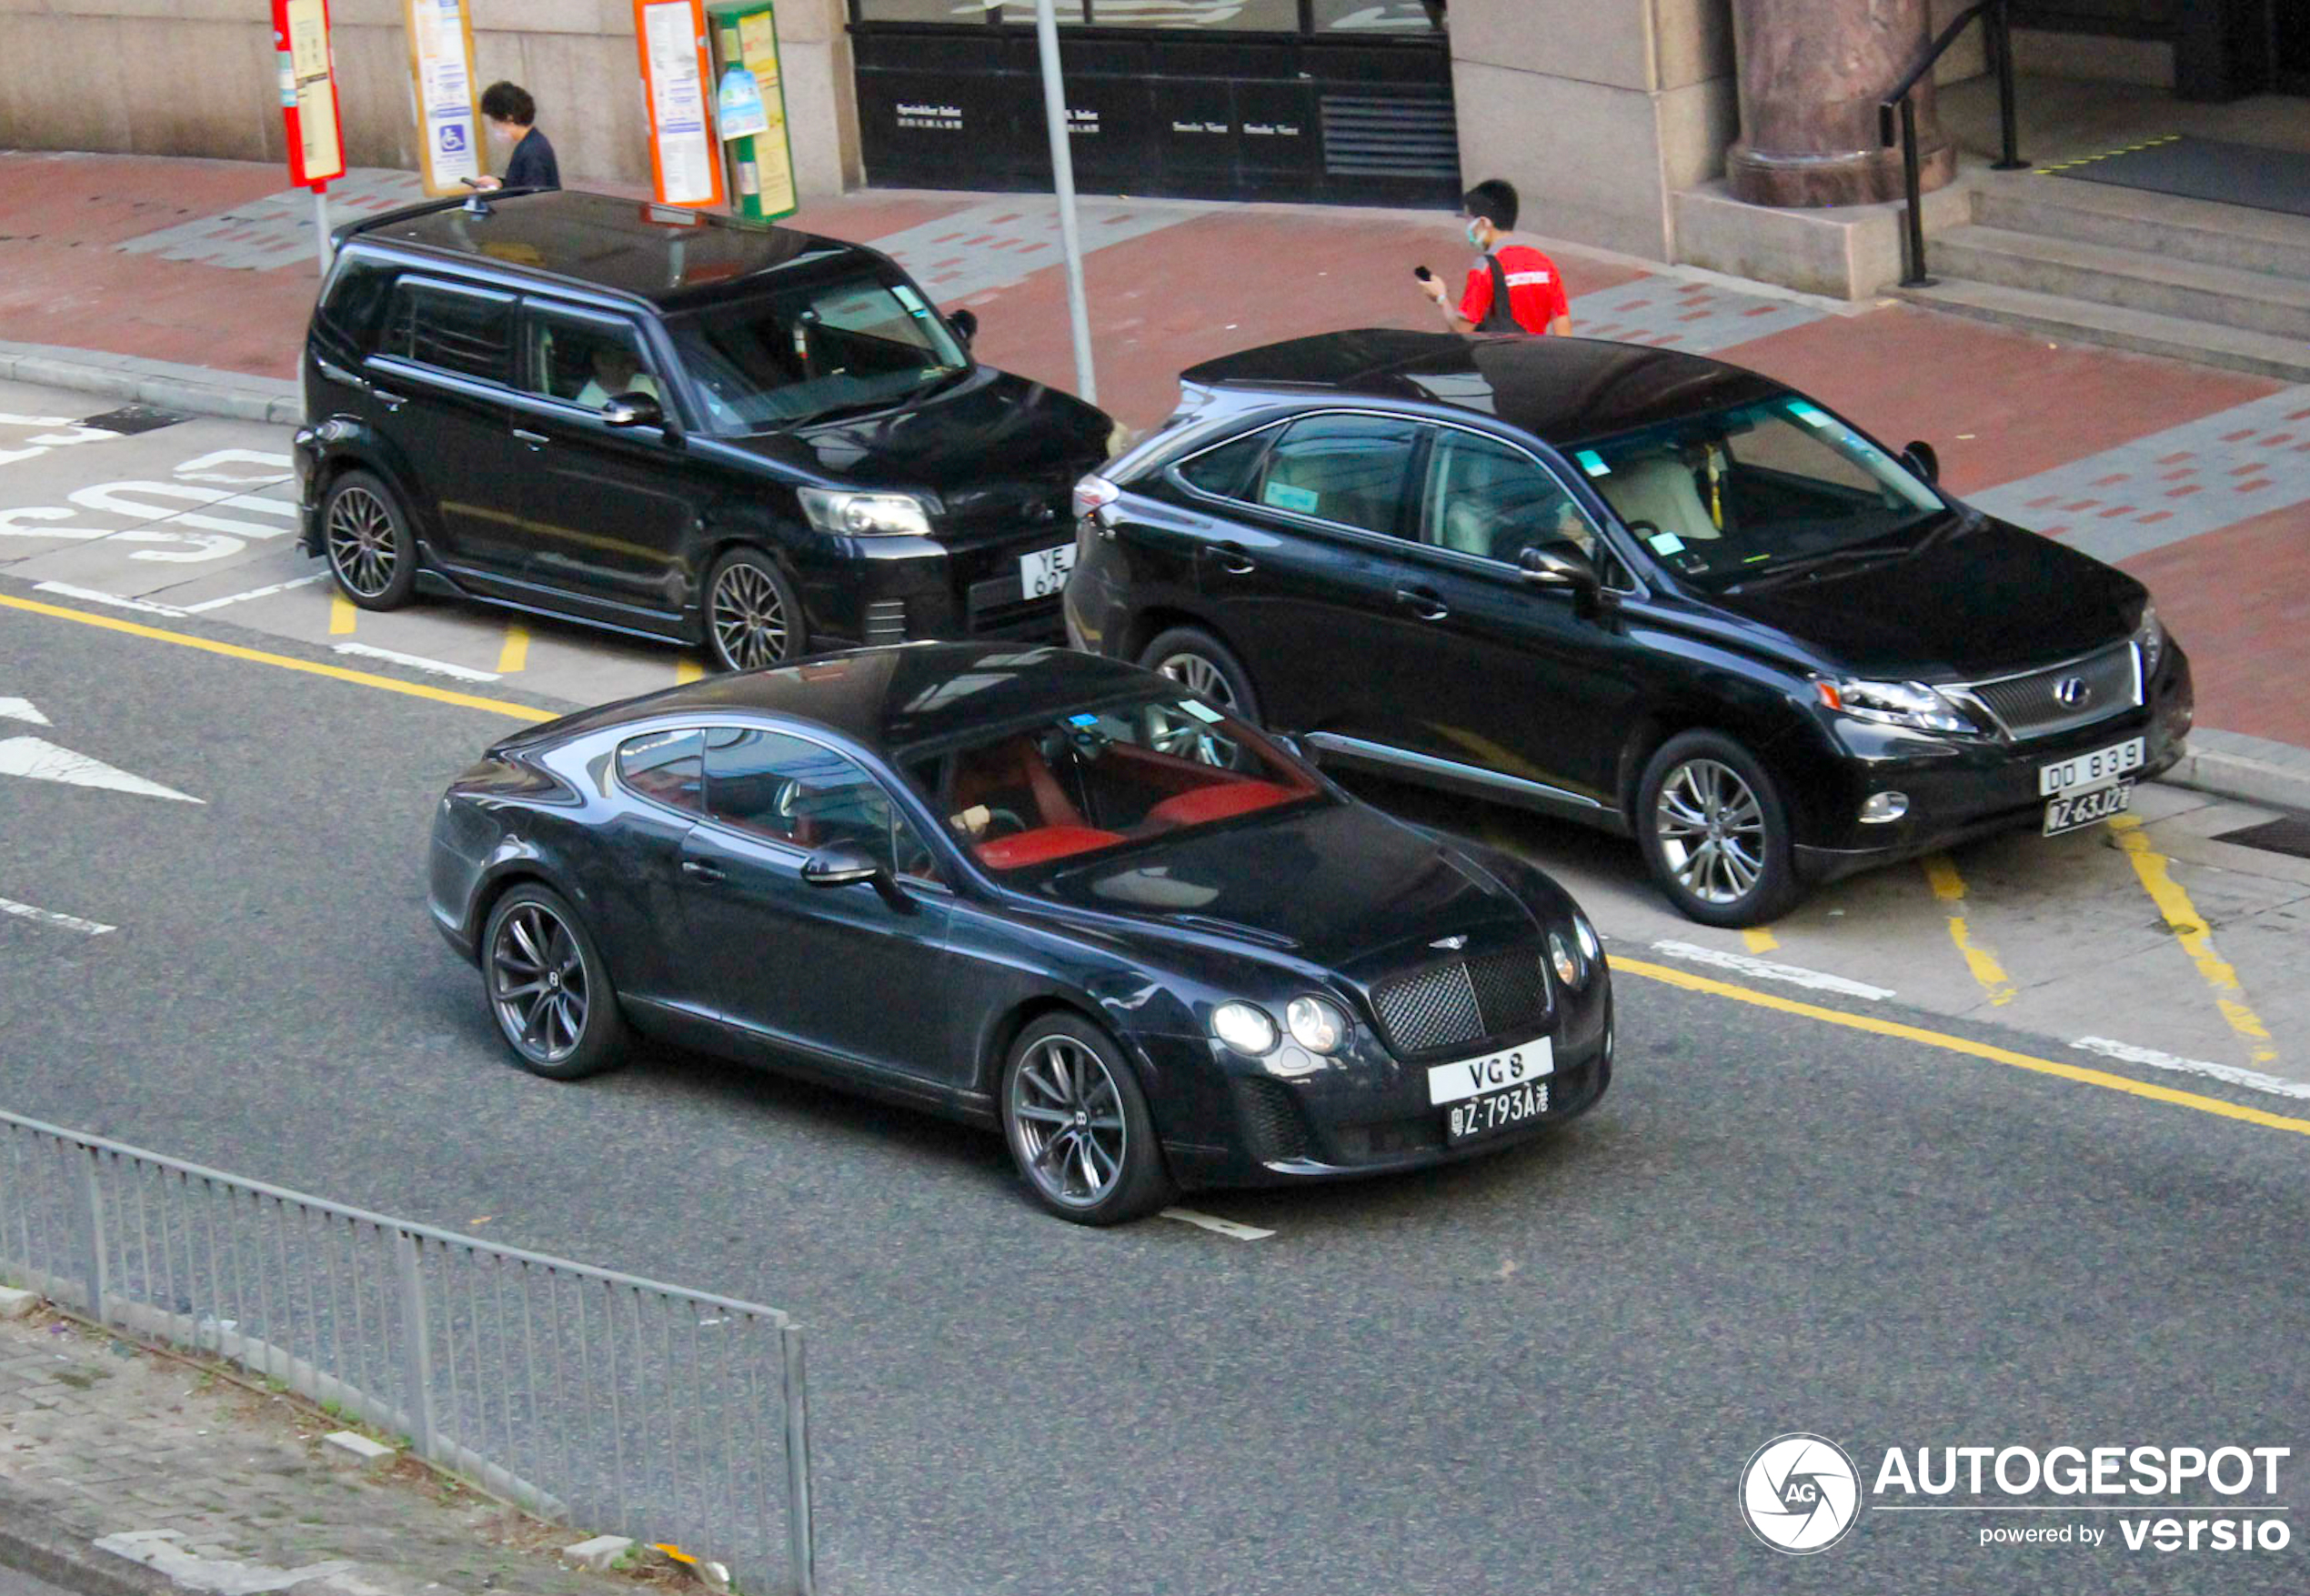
column 449, row 137
column 308, row 91
column 671, row 35
column 773, row 159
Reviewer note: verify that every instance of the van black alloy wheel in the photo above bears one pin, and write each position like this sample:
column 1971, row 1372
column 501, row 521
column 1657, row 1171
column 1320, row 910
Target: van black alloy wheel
column 366, row 540
column 1078, row 1127
column 548, row 990
column 752, row 618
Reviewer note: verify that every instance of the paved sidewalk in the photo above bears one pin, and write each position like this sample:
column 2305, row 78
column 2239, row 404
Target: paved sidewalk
column 2196, row 480
column 196, row 1483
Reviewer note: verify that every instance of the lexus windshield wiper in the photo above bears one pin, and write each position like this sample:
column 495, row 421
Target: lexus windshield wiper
column 1875, row 551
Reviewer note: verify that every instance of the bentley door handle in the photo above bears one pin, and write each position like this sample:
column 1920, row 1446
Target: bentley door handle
column 703, row 871
column 390, row 401
column 1422, row 603
column 1233, row 560
column 536, row 440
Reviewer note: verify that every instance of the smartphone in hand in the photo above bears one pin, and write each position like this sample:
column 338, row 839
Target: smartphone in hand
column 1424, row 274
column 471, row 182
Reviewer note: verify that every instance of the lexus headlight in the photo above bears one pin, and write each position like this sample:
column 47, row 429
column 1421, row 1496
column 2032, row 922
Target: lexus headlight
column 1910, row 704
column 1245, row 1029
column 2150, row 638
column 865, row 514
column 1316, row 1025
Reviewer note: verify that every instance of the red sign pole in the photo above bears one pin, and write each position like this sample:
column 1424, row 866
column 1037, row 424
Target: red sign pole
column 309, row 103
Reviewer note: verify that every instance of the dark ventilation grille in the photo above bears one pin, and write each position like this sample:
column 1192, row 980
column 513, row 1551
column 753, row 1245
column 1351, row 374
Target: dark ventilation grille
column 886, row 620
column 1388, row 135
column 1271, row 1121
column 1463, row 1000
column 2032, row 706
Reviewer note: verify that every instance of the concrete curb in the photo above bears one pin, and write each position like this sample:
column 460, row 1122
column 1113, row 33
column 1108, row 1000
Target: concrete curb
column 2213, row 766
column 32, row 1543
column 199, row 390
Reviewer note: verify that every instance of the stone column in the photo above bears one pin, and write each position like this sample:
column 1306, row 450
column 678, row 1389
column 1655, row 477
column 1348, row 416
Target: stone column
column 1811, row 73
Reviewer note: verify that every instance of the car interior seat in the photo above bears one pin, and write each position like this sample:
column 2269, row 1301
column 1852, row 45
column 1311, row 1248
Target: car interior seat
column 1660, row 488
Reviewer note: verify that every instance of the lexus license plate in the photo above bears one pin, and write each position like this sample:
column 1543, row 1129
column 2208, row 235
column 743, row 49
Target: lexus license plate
column 2083, row 772
column 2074, row 810
column 1044, row 572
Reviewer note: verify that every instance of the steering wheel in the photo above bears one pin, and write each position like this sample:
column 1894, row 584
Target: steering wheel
column 1010, row 818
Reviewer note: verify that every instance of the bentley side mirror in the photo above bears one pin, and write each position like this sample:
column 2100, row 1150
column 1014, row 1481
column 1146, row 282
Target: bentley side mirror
column 1922, row 461
column 634, row 409
column 846, row 864
column 965, row 323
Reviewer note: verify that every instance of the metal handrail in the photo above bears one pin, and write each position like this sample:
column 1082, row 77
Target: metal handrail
column 1997, row 28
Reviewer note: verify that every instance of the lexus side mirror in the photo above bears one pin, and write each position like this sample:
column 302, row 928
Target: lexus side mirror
column 634, row 409
column 965, row 323
column 1922, row 461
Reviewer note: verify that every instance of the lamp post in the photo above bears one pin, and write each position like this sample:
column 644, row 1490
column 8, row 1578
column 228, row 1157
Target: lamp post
column 1062, row 169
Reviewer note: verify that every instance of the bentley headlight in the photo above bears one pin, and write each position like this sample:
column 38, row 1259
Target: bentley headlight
column 1315, row 1025
column 1244, row 1027
column 865, row 514
column 1567, row 968
column 1910, row 704
column 2150, row 638
column 1591, row 947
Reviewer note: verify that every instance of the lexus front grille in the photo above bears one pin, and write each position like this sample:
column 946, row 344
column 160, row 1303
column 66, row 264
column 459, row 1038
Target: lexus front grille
column 2062, row 698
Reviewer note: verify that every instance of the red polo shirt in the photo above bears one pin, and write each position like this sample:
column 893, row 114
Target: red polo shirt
column 1535, row 289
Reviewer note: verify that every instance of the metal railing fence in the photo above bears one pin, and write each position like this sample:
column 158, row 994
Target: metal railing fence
column 591, row 1398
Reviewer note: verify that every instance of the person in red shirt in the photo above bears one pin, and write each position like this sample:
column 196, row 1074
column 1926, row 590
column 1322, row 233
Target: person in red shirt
column 1535, row 288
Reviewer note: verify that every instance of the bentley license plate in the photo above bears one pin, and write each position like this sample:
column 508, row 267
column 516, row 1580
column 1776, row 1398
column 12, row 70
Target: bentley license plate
column 2073, row 810
column 1494, row 1092
column 1044, row 572
column 1494, row 1112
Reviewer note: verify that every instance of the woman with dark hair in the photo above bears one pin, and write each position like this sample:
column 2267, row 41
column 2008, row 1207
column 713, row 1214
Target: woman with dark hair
column 512, row 116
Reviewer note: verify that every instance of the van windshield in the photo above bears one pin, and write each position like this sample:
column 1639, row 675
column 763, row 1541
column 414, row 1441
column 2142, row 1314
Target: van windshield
column 805, row 353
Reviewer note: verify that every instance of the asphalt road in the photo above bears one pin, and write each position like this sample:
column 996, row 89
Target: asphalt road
column 2058, row 936
column 1540, row 1372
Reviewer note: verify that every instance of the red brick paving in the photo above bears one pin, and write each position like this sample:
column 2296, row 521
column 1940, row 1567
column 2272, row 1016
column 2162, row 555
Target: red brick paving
column 2239, row 600
column 1905, row 373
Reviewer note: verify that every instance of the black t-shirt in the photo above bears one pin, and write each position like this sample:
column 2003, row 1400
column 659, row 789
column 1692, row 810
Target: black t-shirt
column 532, row 164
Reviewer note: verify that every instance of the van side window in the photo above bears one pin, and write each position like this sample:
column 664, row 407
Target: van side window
column 356, row 304
column 457, row 330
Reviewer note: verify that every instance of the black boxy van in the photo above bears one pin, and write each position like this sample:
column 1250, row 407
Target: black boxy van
column 679, row 426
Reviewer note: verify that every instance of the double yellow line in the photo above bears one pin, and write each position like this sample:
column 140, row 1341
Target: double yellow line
column 1662, row 973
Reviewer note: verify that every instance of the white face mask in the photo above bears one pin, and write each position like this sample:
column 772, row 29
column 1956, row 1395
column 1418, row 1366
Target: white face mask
column 1475, row 235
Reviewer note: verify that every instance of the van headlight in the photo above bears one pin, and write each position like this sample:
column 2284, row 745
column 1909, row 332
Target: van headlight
column 865, row 514
column 1245, row 1028
column 1910, row 704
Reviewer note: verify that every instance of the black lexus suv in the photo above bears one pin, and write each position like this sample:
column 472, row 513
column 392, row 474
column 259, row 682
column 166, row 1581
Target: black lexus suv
column 1634, row 588
column 677, row 424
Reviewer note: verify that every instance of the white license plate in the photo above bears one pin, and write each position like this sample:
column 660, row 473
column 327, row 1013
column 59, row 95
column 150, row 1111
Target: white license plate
column 1456, row 1083
column 2085, row 771
column 2073, row 810
column 1044, row 572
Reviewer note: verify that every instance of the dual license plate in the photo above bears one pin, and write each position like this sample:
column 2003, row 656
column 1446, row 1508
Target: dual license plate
column 1493, row 1093
column 2087, row 788
column 1044, row 572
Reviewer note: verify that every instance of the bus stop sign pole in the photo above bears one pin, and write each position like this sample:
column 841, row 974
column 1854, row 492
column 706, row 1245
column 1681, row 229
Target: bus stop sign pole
column 1062, row 170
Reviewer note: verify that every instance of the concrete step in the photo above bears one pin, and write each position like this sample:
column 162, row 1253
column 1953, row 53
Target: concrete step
column 2134, row 279
column 2079, row 321
column 2134, row 218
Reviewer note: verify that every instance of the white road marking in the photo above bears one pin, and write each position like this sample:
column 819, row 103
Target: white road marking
column 94, row 597
column 49, row 916
column 1765, row 969
column 276, row 467
column 37, row 761
column 21, row 710
column 1217, row 1226
column 252, row 593
column 464, row 673
column 2253, row 1080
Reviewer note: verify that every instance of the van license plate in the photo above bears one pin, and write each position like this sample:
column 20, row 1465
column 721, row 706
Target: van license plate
column 1044, row 572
